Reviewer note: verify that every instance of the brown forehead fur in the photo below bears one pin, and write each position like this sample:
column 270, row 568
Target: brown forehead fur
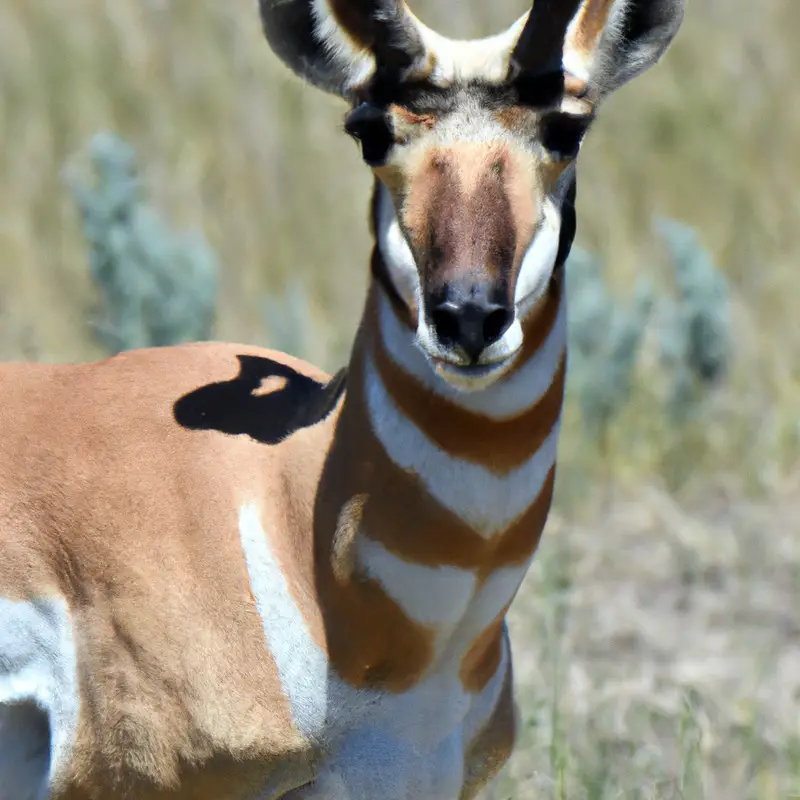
column 469, row 205
column 469, row 209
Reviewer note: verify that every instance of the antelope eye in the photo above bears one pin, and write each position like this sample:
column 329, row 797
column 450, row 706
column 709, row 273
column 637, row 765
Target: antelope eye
column 372, row 127
column 561, row 134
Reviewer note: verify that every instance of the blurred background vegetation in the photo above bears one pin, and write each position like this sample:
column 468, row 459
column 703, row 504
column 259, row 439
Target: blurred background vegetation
column 658, row 635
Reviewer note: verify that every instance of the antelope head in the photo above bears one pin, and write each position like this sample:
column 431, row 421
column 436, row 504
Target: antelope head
column 473, row 147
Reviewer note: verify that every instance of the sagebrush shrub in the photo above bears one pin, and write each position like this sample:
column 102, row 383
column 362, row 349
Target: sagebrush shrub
column 693, row 329
column 156, row 287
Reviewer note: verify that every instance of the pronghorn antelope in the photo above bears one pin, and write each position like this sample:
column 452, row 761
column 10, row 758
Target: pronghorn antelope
column 224, row 574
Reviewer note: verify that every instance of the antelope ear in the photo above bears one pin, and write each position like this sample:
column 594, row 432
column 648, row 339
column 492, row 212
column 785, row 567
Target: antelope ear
column 339, row 45
column 610, row 42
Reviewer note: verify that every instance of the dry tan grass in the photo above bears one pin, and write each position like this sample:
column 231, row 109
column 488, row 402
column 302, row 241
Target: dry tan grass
column 658, row 654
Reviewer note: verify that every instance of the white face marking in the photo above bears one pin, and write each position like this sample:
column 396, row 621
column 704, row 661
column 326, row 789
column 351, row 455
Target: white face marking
column 537, row 265
column 435, row 596
column 504, row 400
column 488, row 502
column 396, row 251
column 39, row 699
column 393, row 746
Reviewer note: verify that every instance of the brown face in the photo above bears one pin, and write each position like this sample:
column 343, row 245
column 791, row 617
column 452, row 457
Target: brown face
column 473, row 146
column 471, row 186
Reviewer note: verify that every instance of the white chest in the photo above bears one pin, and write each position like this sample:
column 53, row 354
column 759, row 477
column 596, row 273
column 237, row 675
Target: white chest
column 409, row 746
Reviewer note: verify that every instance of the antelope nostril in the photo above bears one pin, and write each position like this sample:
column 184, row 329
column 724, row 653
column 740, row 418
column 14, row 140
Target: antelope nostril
column 445, row 319
column 495, row 325
column 471, row 325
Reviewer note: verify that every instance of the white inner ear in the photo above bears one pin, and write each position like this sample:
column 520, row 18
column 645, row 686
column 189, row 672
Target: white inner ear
column 396, row 251
column 576, row 63
column 357, row 65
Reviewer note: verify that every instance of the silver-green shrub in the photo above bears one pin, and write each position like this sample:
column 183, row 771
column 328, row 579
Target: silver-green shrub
column 156, row 287
column 693, row 328
column 604, row 340
column 696, row 331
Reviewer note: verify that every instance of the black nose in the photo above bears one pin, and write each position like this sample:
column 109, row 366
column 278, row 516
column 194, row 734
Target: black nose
column 473, row 323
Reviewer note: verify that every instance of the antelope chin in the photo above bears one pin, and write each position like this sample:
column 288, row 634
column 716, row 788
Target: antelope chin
column 471, row 377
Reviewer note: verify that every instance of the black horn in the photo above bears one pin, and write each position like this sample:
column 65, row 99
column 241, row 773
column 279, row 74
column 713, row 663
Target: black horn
column 540, row 48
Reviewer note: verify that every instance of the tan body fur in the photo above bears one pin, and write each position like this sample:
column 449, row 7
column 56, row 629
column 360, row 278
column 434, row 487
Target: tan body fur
column 128, row 516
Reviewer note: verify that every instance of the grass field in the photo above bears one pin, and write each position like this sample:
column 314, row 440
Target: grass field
column 658, row 636
column 658, row 654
